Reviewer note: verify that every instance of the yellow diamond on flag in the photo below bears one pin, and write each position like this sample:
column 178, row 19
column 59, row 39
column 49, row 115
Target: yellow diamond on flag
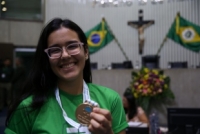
column 98, row 37
column 189, row 35
column 185, row 33
column 95, row 38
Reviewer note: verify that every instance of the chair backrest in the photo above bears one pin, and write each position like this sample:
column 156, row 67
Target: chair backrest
column 178, row 64
column 117, row 65
column 137, row 130
column 128, row 64
column 150, row 61
column 93, row 65
column 122, row 65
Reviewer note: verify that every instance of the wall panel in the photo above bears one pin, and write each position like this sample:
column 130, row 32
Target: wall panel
column 117, row 17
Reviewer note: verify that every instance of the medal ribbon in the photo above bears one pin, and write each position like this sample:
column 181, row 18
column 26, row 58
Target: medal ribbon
column 86, row 97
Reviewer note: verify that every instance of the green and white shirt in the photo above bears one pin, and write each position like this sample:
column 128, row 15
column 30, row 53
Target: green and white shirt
column 49, row 119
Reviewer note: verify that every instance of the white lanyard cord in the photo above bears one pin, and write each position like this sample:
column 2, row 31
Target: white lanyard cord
column 86, row 97
column 86, row 93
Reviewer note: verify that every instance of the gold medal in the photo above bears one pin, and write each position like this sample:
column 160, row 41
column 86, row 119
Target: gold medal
column 83, row 113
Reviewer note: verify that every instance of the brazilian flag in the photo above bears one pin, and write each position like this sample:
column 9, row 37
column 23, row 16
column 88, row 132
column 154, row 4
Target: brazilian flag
column 98, row 37
column 185, row 33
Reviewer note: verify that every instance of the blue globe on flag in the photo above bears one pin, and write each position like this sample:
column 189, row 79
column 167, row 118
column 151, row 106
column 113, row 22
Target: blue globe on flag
column 95, row 38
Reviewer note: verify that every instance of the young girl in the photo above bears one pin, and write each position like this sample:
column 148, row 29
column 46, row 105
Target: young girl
column 59, row 97
column 134, row 113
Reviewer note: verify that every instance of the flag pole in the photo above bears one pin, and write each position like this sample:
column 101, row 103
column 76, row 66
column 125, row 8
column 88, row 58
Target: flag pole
column 119, row 45
column 165, row 39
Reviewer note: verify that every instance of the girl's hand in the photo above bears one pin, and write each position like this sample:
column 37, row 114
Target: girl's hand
column 101, row 121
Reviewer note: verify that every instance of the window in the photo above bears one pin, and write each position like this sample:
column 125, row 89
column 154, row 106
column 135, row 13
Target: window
column 26, row 54
column 22, row 9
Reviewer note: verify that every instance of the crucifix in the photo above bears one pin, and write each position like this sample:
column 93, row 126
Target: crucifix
column 140, row 26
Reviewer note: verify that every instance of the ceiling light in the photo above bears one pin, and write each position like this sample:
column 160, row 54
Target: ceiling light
column 4, row 9
column 3, row 3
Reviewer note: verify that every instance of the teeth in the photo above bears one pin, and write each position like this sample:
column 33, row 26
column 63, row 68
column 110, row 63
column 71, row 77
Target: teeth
column 68, row 66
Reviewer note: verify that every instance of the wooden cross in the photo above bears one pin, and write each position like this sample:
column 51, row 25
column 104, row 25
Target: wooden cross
column 140, row 26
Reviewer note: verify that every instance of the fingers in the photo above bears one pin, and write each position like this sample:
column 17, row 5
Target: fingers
column 96, row 128
column 100, row 121
column 104, row 112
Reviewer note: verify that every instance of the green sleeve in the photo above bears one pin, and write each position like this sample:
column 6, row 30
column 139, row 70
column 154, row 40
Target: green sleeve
column 119, row 122
column 19, row 122
column 8, row 131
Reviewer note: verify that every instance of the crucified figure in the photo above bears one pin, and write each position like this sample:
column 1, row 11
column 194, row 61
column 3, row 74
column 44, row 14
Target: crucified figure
column 140, row 26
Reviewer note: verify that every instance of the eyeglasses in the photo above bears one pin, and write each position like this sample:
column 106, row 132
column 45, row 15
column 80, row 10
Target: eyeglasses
column 56, row 52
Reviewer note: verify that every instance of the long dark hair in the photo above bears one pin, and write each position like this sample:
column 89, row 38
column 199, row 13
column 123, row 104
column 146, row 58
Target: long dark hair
column 41, row 79
column 132, row 109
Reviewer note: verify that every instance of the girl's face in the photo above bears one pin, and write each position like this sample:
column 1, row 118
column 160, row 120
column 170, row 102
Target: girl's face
column 67, row 67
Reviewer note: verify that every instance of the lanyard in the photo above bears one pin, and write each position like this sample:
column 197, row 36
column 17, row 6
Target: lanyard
column 86, row 97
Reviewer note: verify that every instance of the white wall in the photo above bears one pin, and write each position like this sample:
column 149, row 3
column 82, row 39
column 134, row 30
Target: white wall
column 88, row 16
column 20, row 33
column 183, row 83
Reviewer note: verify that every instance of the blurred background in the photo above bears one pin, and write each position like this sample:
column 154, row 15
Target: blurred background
column 21, row 22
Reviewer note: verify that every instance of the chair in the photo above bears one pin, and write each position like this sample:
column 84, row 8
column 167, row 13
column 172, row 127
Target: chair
column 137, row 130
column 123, row 65
column 93, row 65
column 128, row 64
column 150, row 61
column 178, row 64
column 117, row 65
